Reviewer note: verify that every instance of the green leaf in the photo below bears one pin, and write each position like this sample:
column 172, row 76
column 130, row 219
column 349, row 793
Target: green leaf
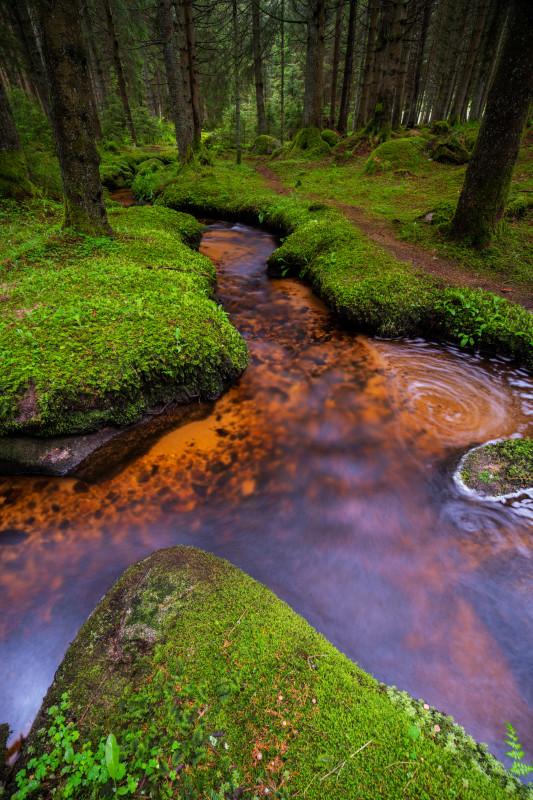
column 112, row 755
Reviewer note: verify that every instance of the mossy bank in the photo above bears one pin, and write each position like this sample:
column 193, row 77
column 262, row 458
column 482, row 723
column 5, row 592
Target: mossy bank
column 362, row 283
column 95, row 331
column 213, row 688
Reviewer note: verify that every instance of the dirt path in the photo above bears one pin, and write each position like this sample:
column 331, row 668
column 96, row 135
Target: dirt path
column 382, row 233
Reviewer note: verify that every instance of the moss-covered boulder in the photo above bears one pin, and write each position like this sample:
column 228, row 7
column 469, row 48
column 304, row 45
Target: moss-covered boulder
column 452, row 150
column 498, row 468
column 190, row 680
column 519, row 207
column 265, row 145
column 309, row 142
column 440, row 127
column 398, row 154
column 331, row 137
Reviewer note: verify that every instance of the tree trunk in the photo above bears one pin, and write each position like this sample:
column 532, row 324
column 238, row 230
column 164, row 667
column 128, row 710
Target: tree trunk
column 473, row 47
column 362, row 114
column 237, row 66
column 30, row 46
column 392, row 60
column 335, row 64
column 174, row 77
column 282, row 67
column 412, row 116
column 258, row 70
column 488, row 176
column 119, row 72
column 399, row 96
column 348, row 70
column 314, row 64
column 72, row 113
column 190, row 36
column 489, row 58
column 14, row 181
column 184, row 61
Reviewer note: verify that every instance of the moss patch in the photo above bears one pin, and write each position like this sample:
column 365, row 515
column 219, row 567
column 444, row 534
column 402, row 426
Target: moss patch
column 398, row 154
column 265, row 145
column 97, row 330
column 14, row 181
column 233, row 694
column 499, row 468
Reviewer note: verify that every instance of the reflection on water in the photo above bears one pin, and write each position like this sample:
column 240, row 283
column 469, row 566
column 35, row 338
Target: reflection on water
column 324, row 473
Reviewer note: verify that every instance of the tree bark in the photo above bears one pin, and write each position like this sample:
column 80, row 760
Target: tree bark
column 348, row 70
column 72, row 114
column 473, row 47
column 190, row 35
column 335, row 64
column 119, row 71
column 258, row 70
column 412, row 116
column 397, row 111
column 362, row 114
column 282, row 77
column 489, row 58
column 14, row 181
column 314, row 64
column 237, row 68
column 174, row 77
column 488, row 176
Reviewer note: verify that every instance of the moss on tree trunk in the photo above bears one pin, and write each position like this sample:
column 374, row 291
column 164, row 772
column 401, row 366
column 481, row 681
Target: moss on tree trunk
column 72, row 113
column 488, row 177
column 14, row 181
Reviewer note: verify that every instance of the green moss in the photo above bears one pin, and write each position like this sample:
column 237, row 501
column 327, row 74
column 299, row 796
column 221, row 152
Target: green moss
column 499, row 468
column 398, row 154
column 233, row 692
column 440, row 127
column 330, row 137
column 519, row 207
column 265, row 145
column 14, row 181
column 96, row 330
column 309, row 143
column 452, row 150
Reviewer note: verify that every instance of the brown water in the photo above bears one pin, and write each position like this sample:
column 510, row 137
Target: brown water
column 326, row 474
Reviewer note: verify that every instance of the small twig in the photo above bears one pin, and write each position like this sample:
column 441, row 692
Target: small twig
column 411, row 779
column 318, row 655
column 340, row 766
column 240, row 618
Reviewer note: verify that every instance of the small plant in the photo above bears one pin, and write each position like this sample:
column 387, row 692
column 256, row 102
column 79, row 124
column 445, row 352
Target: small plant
column 485, row 476
column 517, row 754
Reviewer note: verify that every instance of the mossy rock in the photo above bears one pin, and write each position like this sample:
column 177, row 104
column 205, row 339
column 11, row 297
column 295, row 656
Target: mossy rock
column 116, row 173
column 397, row 154
column 452, row 150
column 499, row 468
column 211, row 685
column 519, row 207
column 331, row 137
column 150, row 165
column 309, row 142
column 265, row 145
column 440, row 127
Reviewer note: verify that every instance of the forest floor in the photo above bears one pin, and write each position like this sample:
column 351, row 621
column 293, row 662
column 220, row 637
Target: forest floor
column 384, row 233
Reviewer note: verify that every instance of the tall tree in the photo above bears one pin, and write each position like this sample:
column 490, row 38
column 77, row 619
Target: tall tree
column 412, row 115
column 488, row 176
column 174, row 78
column 190, row 37
column 119, row 72
column 314, row 63
column 72, row 115
column 362, row 112
column 348, row 69
column 258, row 70
column 473, row 47
column 14, row 181
column 335, row 65
column 237, row 77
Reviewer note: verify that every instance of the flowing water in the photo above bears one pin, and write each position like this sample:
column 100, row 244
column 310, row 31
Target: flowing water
column 326, row 474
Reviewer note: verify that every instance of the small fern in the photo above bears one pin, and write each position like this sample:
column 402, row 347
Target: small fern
column 517, row 754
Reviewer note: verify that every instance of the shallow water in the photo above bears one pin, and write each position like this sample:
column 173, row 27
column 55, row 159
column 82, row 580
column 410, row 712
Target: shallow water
column 326, row 474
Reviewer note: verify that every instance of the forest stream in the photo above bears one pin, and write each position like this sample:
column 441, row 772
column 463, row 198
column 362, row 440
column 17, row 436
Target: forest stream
column 325, row 473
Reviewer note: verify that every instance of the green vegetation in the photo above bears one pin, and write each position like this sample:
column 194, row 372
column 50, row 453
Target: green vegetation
column 419, row 199
column 358, row 280
column 193, row 680
column 95, row 331
column 265, row 145
column 499, row 468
